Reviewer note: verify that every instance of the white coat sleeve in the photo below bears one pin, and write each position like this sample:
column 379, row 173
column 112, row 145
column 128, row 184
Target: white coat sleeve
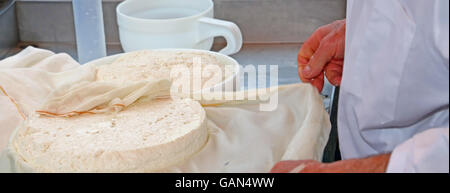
column 441, row 27
column 425, row 152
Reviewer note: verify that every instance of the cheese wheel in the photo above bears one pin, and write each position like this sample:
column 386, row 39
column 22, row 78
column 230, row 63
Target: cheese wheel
column 147, row 136
column 178, row 66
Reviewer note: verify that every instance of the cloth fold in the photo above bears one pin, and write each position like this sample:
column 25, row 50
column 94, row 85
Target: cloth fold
column 100, row 97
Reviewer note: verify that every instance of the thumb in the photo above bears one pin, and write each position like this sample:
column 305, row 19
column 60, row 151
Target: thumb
column 318, row 82
column 319, row 60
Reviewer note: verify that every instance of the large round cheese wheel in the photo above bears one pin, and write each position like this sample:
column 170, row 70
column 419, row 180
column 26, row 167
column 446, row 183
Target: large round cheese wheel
column 147, row 136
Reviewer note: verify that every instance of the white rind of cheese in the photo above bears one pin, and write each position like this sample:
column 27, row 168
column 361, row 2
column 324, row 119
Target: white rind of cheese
column 144, row 64
column 147, row 136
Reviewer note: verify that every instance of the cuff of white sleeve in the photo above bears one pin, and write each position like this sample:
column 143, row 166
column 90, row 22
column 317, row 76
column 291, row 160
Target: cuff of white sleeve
column 400, row 159
column 425, row 152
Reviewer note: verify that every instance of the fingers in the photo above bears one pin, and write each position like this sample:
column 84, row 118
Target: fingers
column 314, row 167
column 334, row 78
column 326, row 45
column 285, row 166
column 312, row 44
column 290, row 166
column 318, row 82
column 309, row 48
column 302, row 78
column 321, row 57
column 333, row 72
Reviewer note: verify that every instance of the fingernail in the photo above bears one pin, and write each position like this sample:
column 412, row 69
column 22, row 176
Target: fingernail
column 306, row 70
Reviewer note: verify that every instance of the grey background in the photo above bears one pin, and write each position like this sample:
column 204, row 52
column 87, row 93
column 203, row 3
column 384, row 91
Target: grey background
column 261, row 21
column 8, row 27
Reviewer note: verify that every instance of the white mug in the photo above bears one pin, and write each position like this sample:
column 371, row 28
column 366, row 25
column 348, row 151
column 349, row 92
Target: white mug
column 156, row 24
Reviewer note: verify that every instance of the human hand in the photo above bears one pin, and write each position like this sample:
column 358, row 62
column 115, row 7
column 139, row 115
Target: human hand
column 323, row 54
column 375, row 164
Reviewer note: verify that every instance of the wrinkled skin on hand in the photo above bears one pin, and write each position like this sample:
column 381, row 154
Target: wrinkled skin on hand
column 375, row 164
column 323, row 55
